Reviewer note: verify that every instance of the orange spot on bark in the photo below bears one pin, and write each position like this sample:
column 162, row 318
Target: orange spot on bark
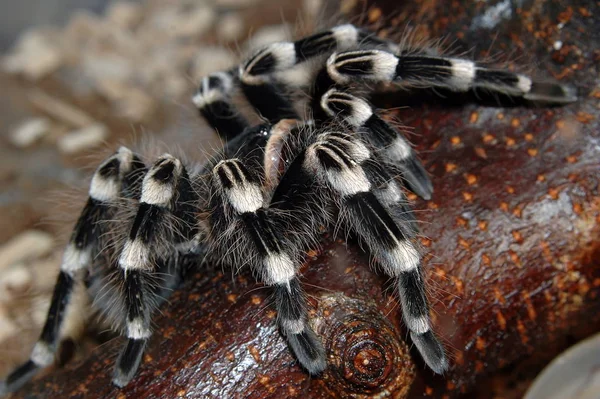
column 374, row 14
column 486, row 259
column 461, row 221
column 499, row 297
column 480, row 152
column 501, row 320
column 479, row 367
column 458, row 284
column 515, row 258
column 482, row 224
column 517, row 236
column 522, row 332
column 470, row 178
column 450, row 167
column 488, row 138
column 254, row 352
column 532, row 152
column 518, row 211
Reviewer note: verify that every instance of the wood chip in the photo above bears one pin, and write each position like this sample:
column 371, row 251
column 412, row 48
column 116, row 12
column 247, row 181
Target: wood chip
column 83, row 139
column 30, row 244
column 29, row 131
column 59, row 109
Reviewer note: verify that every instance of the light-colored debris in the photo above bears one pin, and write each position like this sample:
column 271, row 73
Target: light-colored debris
column 211, row 59
column 83, row 139
column 193, row 23
column 235, row 3
column 30, row 244
column 7, row 327
column 15, row 280
column 125, row 14
column 59, row 109
column 29, row 131
column 267, row 35
column 34, row 56
column 231, row 27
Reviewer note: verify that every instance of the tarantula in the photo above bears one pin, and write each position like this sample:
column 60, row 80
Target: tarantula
column 264, row 200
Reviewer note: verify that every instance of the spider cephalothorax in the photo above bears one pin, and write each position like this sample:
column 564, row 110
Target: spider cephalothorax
column 264, row 200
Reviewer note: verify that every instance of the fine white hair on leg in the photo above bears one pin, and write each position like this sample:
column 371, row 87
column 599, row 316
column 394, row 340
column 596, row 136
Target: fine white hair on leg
column 284, row 54
column 104, row 189
column 292, row 326
column 137, row 330
column 42, row 355
column 462, row 74
column 155, row 193
column 399, row 150
column 391, row 194
column 245, row 198
column 346, row 36
column 349, row 181
column 159, row 190
column 357, row 110
column 419, row 325
column 402, row 258
column 381, row 65
column 125, row 156
column 357, row 150
column 524, row 83
column 279, row 268
column 135, row 256
column 215, row 87
column 75, row 259
column 345, row 179
column 242, row 194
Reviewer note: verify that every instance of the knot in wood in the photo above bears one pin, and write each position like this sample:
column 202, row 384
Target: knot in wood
column 367, row 355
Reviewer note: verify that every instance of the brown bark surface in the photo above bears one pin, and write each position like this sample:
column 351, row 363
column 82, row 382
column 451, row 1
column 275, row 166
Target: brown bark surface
column 511, row 236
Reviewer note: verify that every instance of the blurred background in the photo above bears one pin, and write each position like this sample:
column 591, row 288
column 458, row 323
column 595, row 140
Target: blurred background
column 19, row 16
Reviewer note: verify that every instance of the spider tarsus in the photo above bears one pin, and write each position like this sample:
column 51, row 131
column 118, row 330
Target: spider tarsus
column 308, row 350
column 128, row 362
column 431, row 351
column 415, row 177
column 551, row 93
column 19, row 377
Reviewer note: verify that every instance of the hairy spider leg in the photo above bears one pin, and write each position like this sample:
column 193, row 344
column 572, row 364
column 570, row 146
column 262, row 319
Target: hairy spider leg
column 115, row 178
column 338, row 160
column 241, row 217
column 257, row 78
column 452, row 73
column 394, row 149
column 165, row 219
